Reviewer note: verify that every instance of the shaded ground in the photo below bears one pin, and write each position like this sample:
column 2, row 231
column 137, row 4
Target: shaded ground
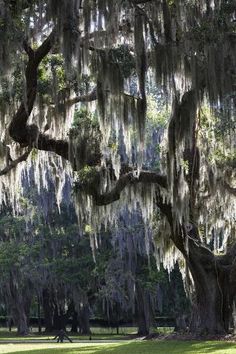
column 189, row 337
column 98, row 333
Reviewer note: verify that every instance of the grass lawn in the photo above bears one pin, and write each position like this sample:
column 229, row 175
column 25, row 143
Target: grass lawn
column 97, row 333
column 149, row 347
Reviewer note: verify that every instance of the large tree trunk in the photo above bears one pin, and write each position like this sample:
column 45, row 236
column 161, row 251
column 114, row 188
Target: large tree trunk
column 211, row 274
column 212, row 308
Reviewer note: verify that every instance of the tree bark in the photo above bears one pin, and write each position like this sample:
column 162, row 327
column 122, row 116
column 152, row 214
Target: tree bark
column 19, row 316
column 22, row 325
column 83, row 317
column 143, row 311
column 212, row 307
column 59, row 319
column 74, row 325
column 48, row 311
column 19, row 301
column 39, row 316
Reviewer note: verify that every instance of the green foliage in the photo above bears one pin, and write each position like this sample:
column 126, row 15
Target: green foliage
column 87, row 176
column 11, row 227
column 85, row 138
column 84, row 119
column 211, row 30
column 122, row 56
column 175, row 301
column 215, row 135
column 88, row 229
column 51, row 75
column 185, row 165
column 156, row 116
column 204, row 32
column 148, row 275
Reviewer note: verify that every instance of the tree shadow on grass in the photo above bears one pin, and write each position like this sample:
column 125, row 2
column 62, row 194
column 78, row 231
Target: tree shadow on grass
column 150, row 347
column 172, row 347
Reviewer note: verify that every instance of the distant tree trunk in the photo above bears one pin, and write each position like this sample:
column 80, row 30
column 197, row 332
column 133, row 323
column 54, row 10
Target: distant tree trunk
column 48, row 310
column 27, row 299
column 71, row 312
column 59, row 319
column 20, row 319
column 181, row 324
column 74, row 325
column 39, row 315
column 10, row 323
column 142, row 311
column 22, row 324
column 19, row 303
column 83, row 316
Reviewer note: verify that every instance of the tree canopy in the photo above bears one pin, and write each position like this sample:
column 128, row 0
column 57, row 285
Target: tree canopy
column 113, row 59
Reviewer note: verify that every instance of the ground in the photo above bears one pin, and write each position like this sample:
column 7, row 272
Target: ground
column 105, row 341
column 124, row 347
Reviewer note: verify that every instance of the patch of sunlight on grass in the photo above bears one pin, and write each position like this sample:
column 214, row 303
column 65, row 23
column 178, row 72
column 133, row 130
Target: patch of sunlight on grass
column 57, row 348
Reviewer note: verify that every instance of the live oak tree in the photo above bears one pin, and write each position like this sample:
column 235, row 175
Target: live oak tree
column 109, row 50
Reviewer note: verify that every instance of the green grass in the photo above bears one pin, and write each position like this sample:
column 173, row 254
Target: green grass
column 149, row 347
column 97, row 333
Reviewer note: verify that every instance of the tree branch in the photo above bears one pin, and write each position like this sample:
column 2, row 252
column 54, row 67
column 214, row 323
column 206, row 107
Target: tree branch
column 45, row 47
column 29, row 135
column 18, row 129
column 30, row 52
column 14, row 163
column 138, row 2
column 60, row 147
column 129, row 178
column 92, row 96
column 135, row 3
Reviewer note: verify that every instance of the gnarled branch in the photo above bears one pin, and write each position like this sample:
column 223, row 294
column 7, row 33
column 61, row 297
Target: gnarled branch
column 18, row 129
column 12, row 164
column 125, row 180
column 29, row 135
